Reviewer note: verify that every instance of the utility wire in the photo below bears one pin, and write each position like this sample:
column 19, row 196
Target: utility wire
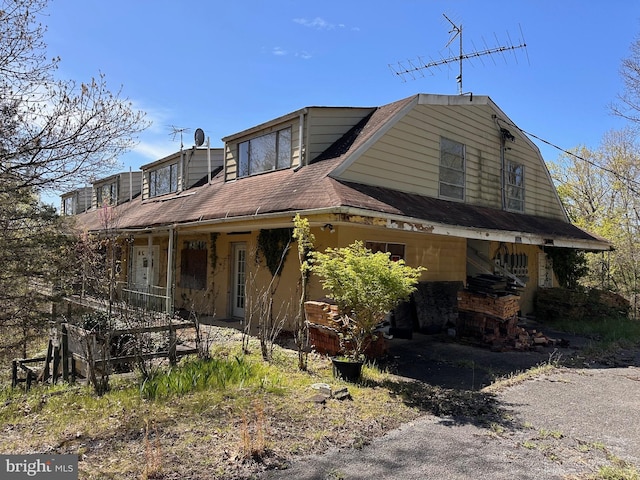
column 628, row 181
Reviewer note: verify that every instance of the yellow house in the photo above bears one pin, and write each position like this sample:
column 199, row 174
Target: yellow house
column 446, row 182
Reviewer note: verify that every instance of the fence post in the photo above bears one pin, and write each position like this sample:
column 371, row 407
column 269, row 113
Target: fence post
column 65, row 353
column 56, row 365
column 47, row 361
column 14, row 373
column 29, row 379
column 172, row 345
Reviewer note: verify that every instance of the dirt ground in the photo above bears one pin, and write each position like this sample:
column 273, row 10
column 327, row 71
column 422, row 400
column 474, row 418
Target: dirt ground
column 566, row 424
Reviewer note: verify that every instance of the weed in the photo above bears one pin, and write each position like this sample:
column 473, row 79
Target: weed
column 497, row 429
column 152, row 455
column 608, row 332
column 529, row 445
column 198, row 375
column 544, row 433
column 253, row 434
column 520, row 377
column 334, row 474
column 619, row 470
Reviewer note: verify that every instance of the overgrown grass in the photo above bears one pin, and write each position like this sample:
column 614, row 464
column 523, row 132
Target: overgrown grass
column 213, row 374
column 227, row 417
column 519, row 377
column 607, row 332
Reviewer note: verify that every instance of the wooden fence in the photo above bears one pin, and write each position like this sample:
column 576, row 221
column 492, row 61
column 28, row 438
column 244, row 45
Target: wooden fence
column 73, row 351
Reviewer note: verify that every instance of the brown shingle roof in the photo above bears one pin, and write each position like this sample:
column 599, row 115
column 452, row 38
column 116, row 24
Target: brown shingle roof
column 456, row 213
column 311, row 187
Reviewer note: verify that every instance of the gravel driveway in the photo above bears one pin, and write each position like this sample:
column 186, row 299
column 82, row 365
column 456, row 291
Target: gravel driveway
column 566, row 424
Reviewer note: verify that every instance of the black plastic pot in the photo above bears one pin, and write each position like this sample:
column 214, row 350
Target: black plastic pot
column 348, row 370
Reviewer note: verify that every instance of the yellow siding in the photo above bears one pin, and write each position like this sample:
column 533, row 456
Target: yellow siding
column 443, row 257
column 407, row 158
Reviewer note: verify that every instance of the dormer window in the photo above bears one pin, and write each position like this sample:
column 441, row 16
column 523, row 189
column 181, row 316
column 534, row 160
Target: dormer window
column 163, row 180
column 69, row 205
column 106, row 194
column 265, row 153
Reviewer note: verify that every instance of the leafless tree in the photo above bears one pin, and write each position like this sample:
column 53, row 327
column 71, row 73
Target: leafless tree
column 53, row 133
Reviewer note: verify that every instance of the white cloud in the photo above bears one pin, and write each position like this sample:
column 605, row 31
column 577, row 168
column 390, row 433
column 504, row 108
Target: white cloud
column 278, row 51
column 155, row 150
column 304, row 55
column 317, row 23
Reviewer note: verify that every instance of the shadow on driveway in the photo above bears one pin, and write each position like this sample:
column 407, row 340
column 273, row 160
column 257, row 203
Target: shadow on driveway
column 447, row 362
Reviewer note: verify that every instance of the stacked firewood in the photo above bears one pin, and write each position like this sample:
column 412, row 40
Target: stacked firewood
column 488, row 311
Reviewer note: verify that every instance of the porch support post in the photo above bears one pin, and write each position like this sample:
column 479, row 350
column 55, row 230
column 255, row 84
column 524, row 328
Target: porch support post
column 170, row 270
column 149, row 262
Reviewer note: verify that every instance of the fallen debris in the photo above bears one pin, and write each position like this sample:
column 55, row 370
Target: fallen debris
column 325, row 393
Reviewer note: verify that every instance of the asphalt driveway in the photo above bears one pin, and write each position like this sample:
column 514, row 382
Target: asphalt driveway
column 566, row 424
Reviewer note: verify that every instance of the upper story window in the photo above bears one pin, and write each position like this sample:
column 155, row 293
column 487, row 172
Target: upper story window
column 68, row 205
column 452, row 167
column 163, row 180
column 106, row 194
column 514, row 183
column 265, row 153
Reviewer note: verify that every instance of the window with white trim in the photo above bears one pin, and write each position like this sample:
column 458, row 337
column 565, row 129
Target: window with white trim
column 106, row 194
column 265, row 153
column 514, row 186
column 68, row 203
column 452, row 169
column 163, row 180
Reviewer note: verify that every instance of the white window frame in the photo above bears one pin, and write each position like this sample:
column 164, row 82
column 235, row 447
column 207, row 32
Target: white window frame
column 111, row 191
column 514, row 186
column 172, row 180
column 257, row 155
column 69, row 205
column 451, row 150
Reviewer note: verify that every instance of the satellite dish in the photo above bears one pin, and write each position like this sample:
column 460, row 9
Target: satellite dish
column 198, row 136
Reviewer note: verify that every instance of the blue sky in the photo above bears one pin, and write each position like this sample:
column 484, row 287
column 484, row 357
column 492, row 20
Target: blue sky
column 227, row 66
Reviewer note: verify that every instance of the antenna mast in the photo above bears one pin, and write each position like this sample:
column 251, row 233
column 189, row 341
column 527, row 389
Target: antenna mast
column 401, row 70
column 175, row 131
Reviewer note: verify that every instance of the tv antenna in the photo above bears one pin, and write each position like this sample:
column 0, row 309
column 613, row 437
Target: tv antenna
column 175, row 131
column 419, row 65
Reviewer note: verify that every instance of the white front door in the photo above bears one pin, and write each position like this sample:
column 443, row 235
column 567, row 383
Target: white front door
column 239, row 279
column 145, row 265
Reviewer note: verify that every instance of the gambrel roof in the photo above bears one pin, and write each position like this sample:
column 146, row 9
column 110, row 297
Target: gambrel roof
column 318, row 187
